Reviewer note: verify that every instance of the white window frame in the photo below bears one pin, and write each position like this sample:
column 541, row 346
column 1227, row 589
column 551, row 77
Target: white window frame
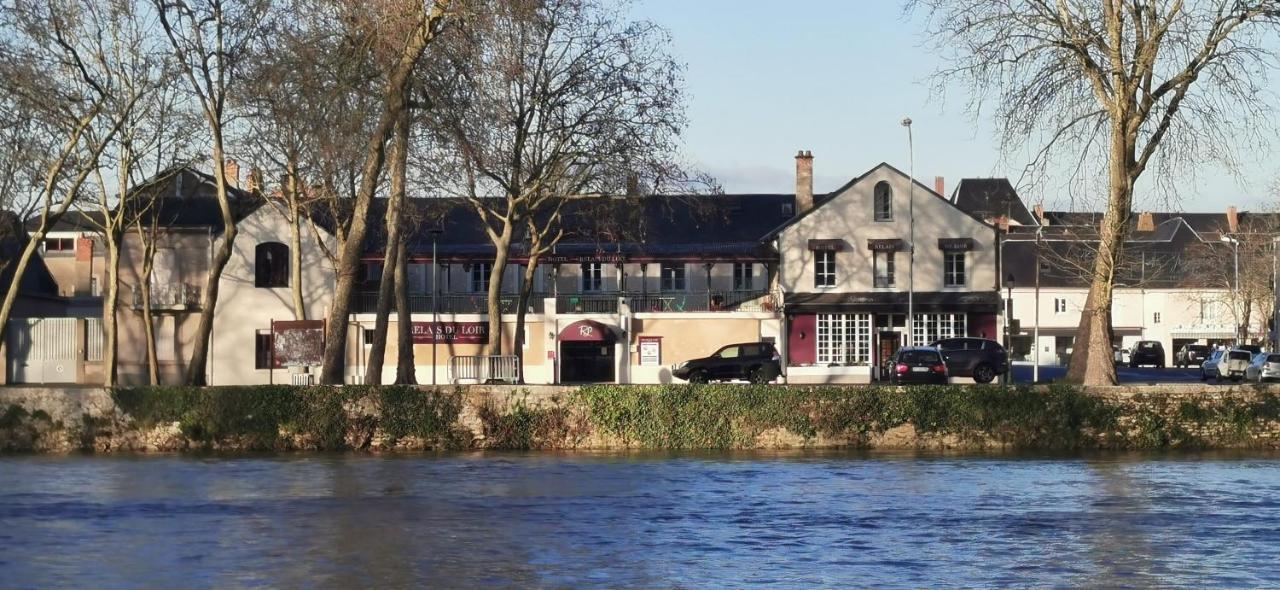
column 478, row 278
column 844, row 339
column 1059, row 305
column 953, row 268
column 824, row 269
column 744, row 276
column 673, row 276
column 932, row 327
column 884, row 260
column 592, row 277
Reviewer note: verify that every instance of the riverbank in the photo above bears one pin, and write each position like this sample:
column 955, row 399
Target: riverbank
column 284, row 418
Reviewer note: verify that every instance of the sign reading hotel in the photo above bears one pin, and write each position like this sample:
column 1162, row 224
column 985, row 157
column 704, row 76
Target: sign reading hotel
column 451, row 332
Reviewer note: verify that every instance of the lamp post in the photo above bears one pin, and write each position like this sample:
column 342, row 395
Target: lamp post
column 911, row 220
column 1235, row 285
column 1035, row 338
column 435, row 307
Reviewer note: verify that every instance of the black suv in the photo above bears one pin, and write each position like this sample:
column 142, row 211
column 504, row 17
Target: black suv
column 1191, row 355
column 978, row 358
column 914, row 365
column 1147, row 352
column 757, row 362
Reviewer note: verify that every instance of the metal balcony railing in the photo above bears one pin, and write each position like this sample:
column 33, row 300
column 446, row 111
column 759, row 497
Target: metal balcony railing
column 450, row 303
column 171, row 297
column 588, row 303
column 748, row 301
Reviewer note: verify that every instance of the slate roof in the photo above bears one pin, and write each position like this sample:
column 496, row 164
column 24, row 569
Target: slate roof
column 989, row 198
column 36, row 280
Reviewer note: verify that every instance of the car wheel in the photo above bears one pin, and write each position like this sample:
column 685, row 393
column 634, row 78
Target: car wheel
column 759, row 376
column 983, row 374
column 698, row 377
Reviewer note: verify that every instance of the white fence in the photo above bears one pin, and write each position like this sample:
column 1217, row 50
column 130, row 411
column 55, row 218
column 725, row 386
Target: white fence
column 484, row 369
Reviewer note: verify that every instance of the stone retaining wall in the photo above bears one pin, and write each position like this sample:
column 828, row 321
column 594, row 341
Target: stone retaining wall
column 47, row 419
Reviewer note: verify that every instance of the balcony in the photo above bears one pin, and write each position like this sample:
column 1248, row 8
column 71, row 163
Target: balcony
column 450, row 303
column 710, row 301
column 588, row 303
column 172, row 297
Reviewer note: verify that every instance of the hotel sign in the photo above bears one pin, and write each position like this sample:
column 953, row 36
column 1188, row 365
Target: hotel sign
column 450, row 332
column 884, row 245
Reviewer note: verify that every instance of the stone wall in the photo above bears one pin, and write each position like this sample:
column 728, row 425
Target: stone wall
column 550, row 417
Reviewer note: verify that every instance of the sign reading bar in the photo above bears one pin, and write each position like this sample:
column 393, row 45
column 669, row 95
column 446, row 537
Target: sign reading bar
column 826, row 245
column 955, row 244
column 454, row 332
column 884, row 245
column 650, row 350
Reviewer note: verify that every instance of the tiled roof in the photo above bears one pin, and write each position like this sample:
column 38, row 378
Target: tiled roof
column 989, row 198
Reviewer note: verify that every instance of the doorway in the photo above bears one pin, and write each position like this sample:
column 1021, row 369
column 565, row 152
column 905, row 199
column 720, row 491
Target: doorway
column 890, row 342
column 586, row 362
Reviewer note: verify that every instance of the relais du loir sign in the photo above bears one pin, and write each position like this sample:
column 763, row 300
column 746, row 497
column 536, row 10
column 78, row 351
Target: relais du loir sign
column 452, row 332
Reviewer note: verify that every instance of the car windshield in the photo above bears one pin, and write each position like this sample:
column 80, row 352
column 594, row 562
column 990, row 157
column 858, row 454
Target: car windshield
column 1148, row 345
column 918, row 356
column 1273, row 358
column 1238, row 355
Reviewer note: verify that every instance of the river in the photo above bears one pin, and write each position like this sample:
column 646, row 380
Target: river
column 639, row 520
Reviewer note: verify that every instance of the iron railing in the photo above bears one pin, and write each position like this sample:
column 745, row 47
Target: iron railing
column 588, row 303
column 749, row 301
column 367, row 302
column 484, row 369
column 169, row 297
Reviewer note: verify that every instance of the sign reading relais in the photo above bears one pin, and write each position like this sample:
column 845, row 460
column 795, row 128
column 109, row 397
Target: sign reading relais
column 454, row 332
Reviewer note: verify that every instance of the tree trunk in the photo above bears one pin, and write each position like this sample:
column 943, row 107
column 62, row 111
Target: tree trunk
column 110, row 305
column 386, row 287
column 197, row 369
column 406, row 369
column 494, row 307
column 295, row 241
column 149, row 326
column 1092, row 360
column 395, row 104
column 526, row 289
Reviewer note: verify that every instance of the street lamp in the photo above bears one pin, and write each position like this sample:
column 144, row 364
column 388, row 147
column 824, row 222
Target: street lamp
column 1235, row 287
column 911, row 220
column 1275, row 295
column 1035, row 337
column 435, row 307
column 1008, row 311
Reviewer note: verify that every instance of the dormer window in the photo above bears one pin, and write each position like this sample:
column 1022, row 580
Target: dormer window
column 788, row 209
column 883, row 197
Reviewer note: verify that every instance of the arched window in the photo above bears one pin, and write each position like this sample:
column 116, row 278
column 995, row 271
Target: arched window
column 883, row 202
column 271, row 265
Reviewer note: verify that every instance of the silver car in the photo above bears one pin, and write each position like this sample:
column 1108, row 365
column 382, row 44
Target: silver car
column 1265, row 367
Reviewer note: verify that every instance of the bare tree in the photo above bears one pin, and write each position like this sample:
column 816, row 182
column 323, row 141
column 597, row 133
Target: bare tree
column 398, row 37
column 1237, row 276
column 1132, row 83
column 390, row 280
column 212, row 41
column 60, row 74
column 548, row 101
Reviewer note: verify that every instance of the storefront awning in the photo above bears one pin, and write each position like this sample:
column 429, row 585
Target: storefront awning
column 587, row 331
column 894, row 302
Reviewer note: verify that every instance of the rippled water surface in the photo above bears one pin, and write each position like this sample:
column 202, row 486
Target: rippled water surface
column 545, row 520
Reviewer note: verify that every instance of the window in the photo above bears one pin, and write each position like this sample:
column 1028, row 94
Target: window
column 788, row 209
column 844, row 339
column 953, row 269
column 673, row 277
column 372, row 271
column 1155, row 318
column 1059, row 305
column 262, row 349
column 66, row 245
column 824, row 269
column 882, row 267
column 479, row 275
column 932, row 327
column 271, row 265
column 730, row 352
column 592, row 276
column 883, row 196
column 743, row 276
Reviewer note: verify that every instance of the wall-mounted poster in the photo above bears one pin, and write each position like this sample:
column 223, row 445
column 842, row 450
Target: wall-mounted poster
column 650, row 350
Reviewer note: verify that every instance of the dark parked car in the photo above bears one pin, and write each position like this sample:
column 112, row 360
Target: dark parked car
column 918, row 365
column 1191, row 355
column 979, row 358
column 757, row 362
column 1252, row 348
column 1147, row 352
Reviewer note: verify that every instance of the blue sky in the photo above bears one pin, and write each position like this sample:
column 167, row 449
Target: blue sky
column 768, row 78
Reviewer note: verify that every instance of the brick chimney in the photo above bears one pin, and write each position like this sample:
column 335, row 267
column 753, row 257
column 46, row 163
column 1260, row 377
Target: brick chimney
column 1039, row 210
column 254, row 181
column 1233, row 219
column 231, row 170
column 804, row 182
column 1146, row 222
column 940, row 186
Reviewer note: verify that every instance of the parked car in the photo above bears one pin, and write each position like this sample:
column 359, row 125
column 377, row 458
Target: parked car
column 1209, row 368
column 757, row 362
column 978, row 358
column 1265, row 367
column 1121, row 355
column 918, row 365
column 1228, row 364
column 1147, row 352
column 1252, row 348
column 1191, row 355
